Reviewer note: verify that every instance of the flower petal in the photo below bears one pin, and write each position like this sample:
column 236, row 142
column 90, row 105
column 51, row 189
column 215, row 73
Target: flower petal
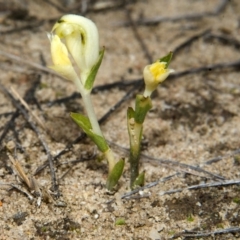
column 59, row 51
column 66, row 71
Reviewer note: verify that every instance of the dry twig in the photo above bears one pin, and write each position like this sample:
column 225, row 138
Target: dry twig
column 191, row 234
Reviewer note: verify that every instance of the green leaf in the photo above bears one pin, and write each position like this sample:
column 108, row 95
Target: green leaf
column 91, row 77
column 130, row 113
column 84, row 123
column 142, row 106
column 139, row 180
column 120, row 221
column 166, row 59
column 115, row 174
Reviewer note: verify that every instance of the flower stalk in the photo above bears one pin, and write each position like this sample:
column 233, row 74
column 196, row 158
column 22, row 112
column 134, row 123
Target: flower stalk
column 77, row 36
column 153, row 74
column 135, row 119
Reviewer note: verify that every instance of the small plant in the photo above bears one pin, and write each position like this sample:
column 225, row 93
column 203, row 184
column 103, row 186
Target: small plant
column 236, row 200
column 120, row 221
column 153, row 75
column 76, row 57
column 190, row 218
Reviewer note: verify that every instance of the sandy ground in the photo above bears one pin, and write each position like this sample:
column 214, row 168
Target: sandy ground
column 191, row 136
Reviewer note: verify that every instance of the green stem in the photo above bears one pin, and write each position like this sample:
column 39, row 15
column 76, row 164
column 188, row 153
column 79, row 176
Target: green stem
column 134, row 166
column 87, row 101
column 91, row 113
column 135, row 131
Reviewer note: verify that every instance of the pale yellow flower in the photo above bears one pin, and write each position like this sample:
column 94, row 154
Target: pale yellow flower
column 153, row 75
column 82, row 41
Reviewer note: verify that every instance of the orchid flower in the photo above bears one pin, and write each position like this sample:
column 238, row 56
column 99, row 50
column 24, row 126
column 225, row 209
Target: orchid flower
column 76, row 36
column 153, row 75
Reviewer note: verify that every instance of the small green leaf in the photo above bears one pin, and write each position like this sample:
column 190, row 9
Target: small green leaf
column 190, row 218
column 236, row 200
column 130, row 113
column 142, row 106
column 91, row 77
column 120, row 221
column 166, row 59
column 84, row 123
column 115, row 174
column 139, row 182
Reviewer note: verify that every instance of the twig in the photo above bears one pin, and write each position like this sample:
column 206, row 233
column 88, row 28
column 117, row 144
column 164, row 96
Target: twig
column 182, row 166
column 19, row 189
column 193, row 187
column 149, row 185
column 38, row 120
column 75, row 95
column 224, row 39
column 191, row 234
column 8, row 126
column 114, row 108
column 29, row 96
column 219, row 158
column 204, row 185
column 19, row 171
column 208, row 68
column 190, row 41
column 6, row 114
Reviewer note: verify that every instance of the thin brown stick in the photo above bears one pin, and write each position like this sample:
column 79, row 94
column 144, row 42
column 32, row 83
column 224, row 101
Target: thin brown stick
column 23, row 102
column 19, row 171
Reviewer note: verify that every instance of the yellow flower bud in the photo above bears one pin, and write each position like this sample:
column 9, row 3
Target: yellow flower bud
column 153, row 75
column 82, row 41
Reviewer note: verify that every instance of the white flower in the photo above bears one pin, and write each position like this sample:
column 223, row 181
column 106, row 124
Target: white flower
column 81, row 41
